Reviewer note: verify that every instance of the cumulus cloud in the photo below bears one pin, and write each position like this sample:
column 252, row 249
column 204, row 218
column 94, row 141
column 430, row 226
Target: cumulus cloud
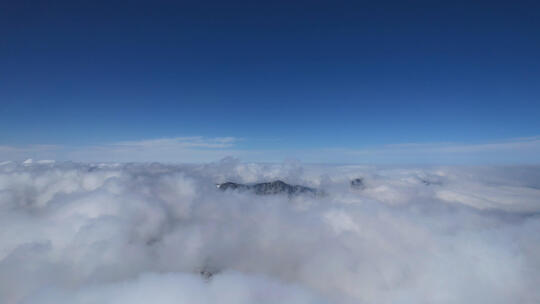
column 135, row 233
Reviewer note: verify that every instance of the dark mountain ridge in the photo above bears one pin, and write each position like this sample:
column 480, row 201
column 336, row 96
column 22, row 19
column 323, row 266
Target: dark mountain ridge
column 269, row 188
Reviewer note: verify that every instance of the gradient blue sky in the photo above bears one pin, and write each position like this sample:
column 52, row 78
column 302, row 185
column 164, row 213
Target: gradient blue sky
column 297, row 76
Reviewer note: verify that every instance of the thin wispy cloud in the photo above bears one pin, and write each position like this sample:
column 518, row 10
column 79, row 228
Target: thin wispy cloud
column 511, row 144
column 204, row 149
column 181, row 142
column 526, row 149
column 176, row 149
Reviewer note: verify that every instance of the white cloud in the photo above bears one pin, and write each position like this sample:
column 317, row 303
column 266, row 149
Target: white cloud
column 175, row 288
column 177, row 149
column 202, row 149
column 512, row 144
column 518, row 150
column 130, row 233
column 180, row 142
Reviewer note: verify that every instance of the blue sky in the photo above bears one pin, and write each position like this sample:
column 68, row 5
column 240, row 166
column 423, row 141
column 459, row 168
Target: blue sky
column 313, row 80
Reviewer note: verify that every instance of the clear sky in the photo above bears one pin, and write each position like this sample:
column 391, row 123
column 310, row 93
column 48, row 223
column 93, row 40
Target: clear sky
column 249, row 78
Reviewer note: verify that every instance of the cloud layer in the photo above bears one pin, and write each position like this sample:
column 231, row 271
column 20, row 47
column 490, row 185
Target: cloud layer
column 135, row 233
column 197, row 149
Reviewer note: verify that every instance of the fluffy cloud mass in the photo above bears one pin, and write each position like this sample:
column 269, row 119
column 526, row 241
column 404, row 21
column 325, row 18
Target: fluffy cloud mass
column 140, row 233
